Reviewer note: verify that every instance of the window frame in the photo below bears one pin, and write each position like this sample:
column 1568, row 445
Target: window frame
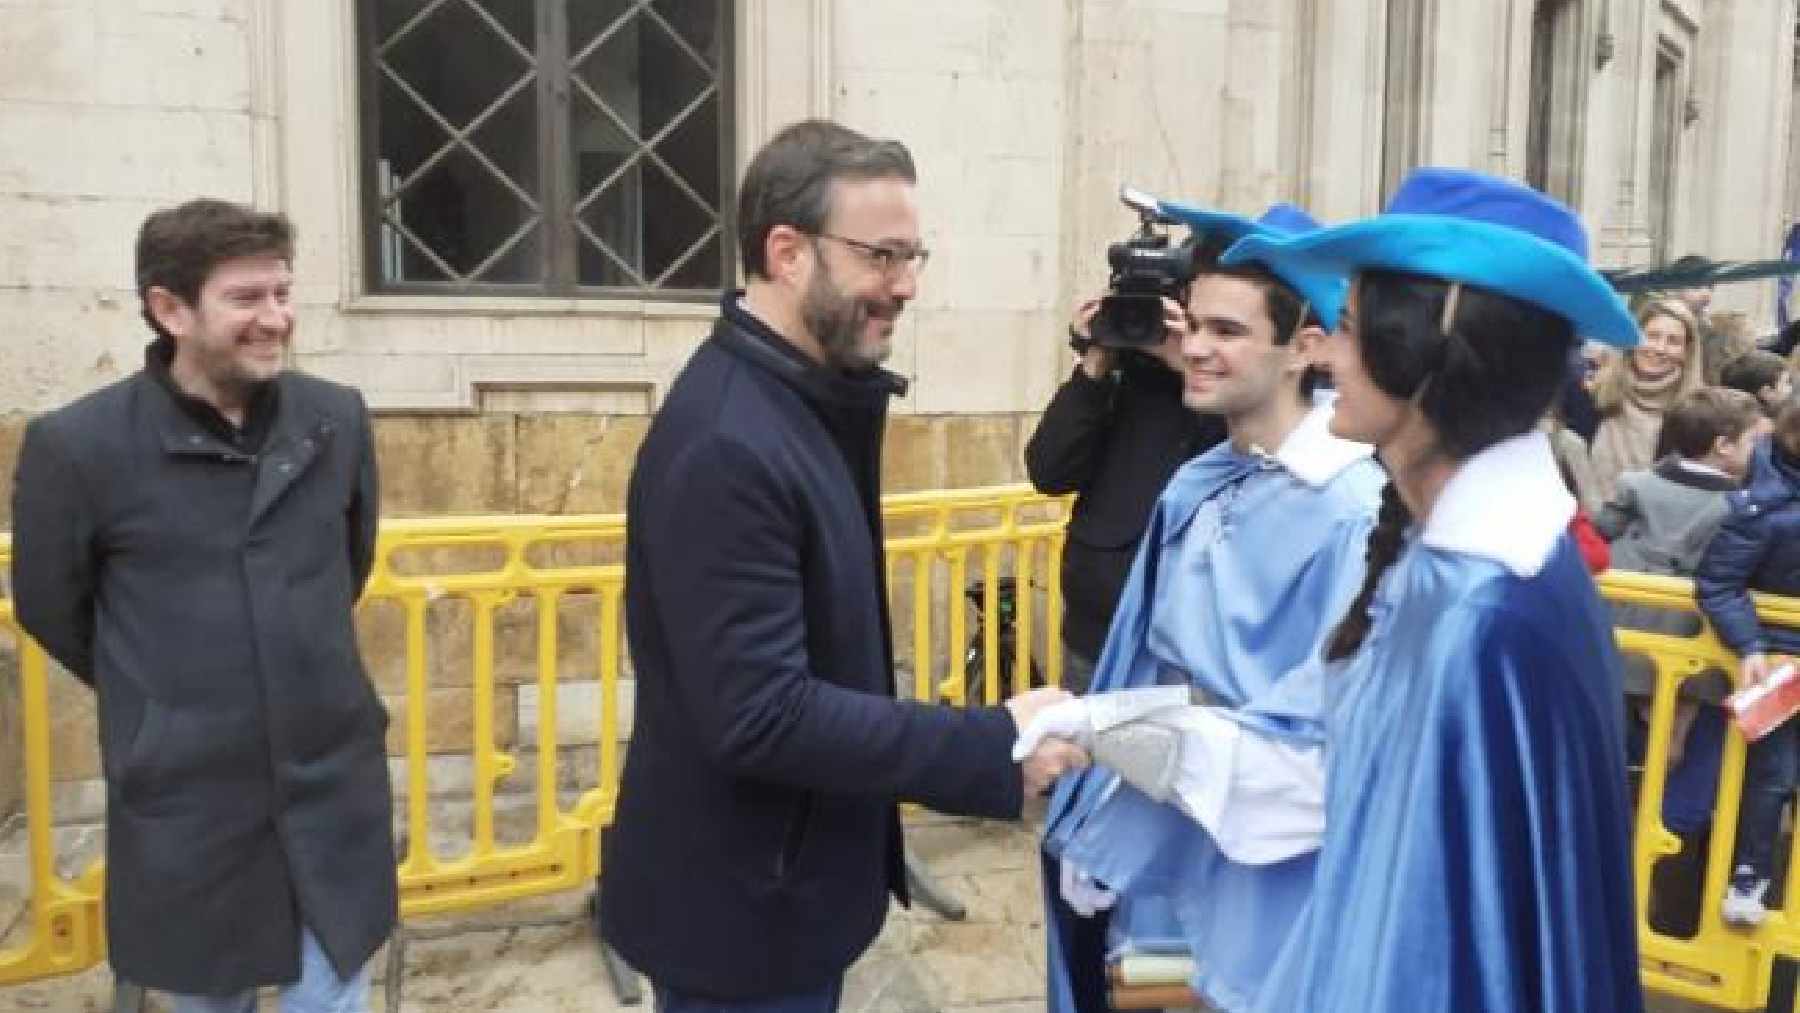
column 555, row 86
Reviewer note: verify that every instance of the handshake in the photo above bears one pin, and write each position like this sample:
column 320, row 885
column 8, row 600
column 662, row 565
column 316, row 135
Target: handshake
column 1059, row 733
column 1043, row 758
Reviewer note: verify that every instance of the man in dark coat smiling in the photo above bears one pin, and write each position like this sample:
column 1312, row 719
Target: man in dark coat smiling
column 190, row 541
column 757, row 837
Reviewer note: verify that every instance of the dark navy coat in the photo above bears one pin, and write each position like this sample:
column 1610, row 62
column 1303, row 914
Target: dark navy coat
column 757, row 835
column 1756, row 549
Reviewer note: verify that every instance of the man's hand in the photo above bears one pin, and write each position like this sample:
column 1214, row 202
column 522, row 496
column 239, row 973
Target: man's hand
column 1096, row 362
column 1051, row 760
column 1755, row 668
column 1068, row 720
column 1178, row 323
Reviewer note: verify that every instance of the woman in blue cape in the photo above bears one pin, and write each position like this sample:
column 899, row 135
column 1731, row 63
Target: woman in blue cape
column 1475, row 852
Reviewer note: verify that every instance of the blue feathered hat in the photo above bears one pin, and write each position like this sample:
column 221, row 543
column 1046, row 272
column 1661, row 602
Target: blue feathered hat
column 1461, row 226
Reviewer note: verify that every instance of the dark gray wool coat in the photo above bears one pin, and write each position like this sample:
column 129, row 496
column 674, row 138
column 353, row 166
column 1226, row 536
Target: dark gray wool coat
column 204, row 589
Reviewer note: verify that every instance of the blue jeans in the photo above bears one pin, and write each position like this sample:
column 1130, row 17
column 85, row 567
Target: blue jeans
column 1771, row 771
column 824, row 1000
column 319, row 989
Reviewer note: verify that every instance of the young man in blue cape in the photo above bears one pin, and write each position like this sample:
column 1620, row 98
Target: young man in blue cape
column 1253, row 551
column 1475, row 853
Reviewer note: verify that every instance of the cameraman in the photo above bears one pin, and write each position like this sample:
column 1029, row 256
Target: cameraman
column 1112, row 434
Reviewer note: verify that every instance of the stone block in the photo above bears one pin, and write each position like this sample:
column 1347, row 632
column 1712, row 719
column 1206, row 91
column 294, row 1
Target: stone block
column 912, row 454
column 78, row 802
column 521, row 969
column 579, row 709
column 984, row 451
column 450, row 720
column 449, row 640
column 451, row 776
column 571, row 464
column 166, row 155
column 48, row 53
column 12, row 731
column 446, row 464
column 69, row 340
column 69, row 242
column 978, row 962
column 12, row 434
column 184, row 63
column 1015, row 353
column 74, row 729
column 432, row 380
column 381, row 636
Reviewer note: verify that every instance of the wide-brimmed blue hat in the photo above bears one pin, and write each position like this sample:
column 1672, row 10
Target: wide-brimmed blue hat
column 1280, row 221
column 1461, row 226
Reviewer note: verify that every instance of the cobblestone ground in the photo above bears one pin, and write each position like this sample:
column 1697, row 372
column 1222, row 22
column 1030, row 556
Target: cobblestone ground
column 541, row 956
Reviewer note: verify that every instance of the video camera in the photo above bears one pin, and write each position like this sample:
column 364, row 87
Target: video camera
column 1145, row 268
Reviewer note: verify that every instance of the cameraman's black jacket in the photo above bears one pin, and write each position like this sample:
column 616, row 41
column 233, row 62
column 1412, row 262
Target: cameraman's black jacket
column 1115, row 442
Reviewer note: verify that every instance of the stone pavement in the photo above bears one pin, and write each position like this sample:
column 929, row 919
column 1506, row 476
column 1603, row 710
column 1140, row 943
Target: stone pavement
column 540, row 956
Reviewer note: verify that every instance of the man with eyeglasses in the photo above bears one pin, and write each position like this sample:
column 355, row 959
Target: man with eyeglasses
column 758, row 834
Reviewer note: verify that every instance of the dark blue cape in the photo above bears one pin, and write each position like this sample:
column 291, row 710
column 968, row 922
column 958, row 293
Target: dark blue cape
column 1477, row 853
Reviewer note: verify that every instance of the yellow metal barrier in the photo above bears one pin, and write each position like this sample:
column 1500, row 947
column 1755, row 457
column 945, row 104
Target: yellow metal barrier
column 1720, row 966
column 482, row 564
column 936, row 543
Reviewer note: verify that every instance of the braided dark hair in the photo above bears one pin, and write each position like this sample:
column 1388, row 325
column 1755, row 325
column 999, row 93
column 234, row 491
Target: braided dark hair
column 1385, row 542
column 1492, row 377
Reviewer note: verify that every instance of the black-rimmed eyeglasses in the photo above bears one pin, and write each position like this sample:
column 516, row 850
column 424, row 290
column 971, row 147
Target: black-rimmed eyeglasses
column 887, row 258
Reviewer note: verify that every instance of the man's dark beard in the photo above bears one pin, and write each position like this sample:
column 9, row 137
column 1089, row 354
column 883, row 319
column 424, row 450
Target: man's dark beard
column 836, row 321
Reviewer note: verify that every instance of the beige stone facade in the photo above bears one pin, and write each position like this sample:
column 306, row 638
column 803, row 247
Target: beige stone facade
column 1024, row 117
column 1668, row 123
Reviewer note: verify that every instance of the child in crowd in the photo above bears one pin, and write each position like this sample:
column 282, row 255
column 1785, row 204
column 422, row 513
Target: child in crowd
column 1762, row 375
column 1758, row 549
column 1660, row 521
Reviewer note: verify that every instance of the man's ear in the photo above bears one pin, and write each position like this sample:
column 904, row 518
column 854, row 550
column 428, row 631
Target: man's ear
column 786, row 251
column 169, row 310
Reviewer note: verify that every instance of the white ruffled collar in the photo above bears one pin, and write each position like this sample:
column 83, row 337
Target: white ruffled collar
column 1507, row 503
column 1311, row 453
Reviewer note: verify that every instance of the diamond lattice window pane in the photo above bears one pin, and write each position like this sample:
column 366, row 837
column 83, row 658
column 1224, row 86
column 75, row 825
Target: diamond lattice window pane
column 696, row 22
column 518, row 17
column 589, row 18
column 461, row 211
column 393, row 15
column 692, row 150
column 613, row 223
column 522, row 262
column 509, row 139
column 457, row 62
column 408, row 135
column 673, row 222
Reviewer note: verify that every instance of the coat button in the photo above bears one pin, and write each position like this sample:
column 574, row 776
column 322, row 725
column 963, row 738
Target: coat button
column 286, row 467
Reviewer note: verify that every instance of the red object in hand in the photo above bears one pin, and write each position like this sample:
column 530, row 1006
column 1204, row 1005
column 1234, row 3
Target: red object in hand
column 1594, row 550
column 1760, row 709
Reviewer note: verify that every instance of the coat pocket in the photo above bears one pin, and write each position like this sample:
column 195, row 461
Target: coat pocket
column 793, row 838
column 137, row 770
